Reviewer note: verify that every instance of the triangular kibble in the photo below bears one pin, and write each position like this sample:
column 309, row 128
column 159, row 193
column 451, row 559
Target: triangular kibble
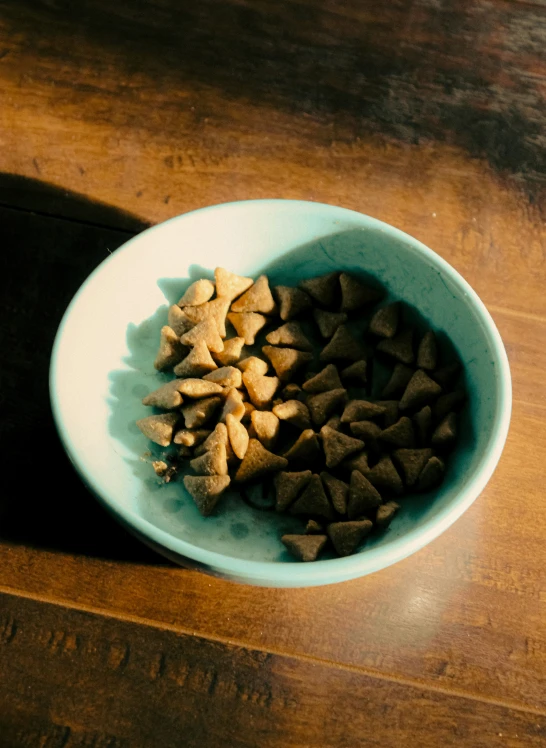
column 229, row 285
column 171, row 350
column 215, row 310
column 258, row 298
column 286, row 361
column 385, row 477
column 384, row 322
column 343, row 346
column 291, row 335
column 233, row 404
column 363, row 496
column 422, row 421
column 191, row 437
column 178, row 320
column 306, row 450
column 337, row 490
column 294, row 412
column 398, row 382
column 258, row 461
column 261, row 389
column 355, row 294
column 347, row 536
column 247, row 325
column 196, row 388
column 411, row 463
column 328, row 322
column 357, row 372
column 226, row 376
column 385, row 514
column 322, row 405
column 361, row 410
column 198, row 293
column 292, row 301
column 196, row 414
column 313, row 502
column 197, row 362
column 432, row 474
column 445, row 434
column 421, row 390
column 206, row 490
column 238, row 436
column 254, row 365
column 357, row 462
column 338, row 446
column 427, row 353
column 400, row 347
column 304, row 547
column 167, row 396
column 159, row 429
column 327, row 379
column 323, row 288
column 231, row 352
column 399, row 435
column 288, row 486
column 205, row 330
column 265, row 427
column 212, row 462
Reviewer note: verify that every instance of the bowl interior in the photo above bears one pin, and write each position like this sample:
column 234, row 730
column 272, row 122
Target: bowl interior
column 103, row 366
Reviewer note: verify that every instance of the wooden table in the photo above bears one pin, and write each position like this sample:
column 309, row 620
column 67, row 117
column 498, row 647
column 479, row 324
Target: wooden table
column 424, row 113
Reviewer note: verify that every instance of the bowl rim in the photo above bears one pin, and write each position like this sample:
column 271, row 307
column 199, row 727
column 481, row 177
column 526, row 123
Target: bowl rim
column 283, row 573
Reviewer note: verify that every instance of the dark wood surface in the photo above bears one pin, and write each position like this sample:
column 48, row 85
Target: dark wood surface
column 426, row 114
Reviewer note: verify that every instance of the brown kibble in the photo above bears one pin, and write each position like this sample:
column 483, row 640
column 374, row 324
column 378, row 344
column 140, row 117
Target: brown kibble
column 286, row 361
column 196, row 388
column 215, row 310
column 258, row 461
column 198, row 293
column 212, row 462
column 159, row 429
column 314, row 528
column 265, row 426
column 338, row 446
column 421, row 390
column 361, row 410
column 258, row 298
column 400, row 347
column 229, row 285
column 357, row 372
column 398, row 382
column 304, row 547
column 334, row 422
column 198, row 413
column 197, row 362
column 207, row 331
column 355, row 295
column 328, row 322
column 358, row 462
column 391, row 414
column 233, row 404
column 313, row 502
column 293, row 391
column 191, row 437
column 432, row 474
column 247, row 325
column 411, row 463
column 254, row 365
column 363, row 496
column 231, row 352
column 291, row 335
column 427, row 353
column 178, row 321
column 294, row 412
column 423, row 423
column 227, row 376
column 288, row 486
column 368, row 431
column 347, row 536
column 385, row 477
column 160, row 467
column 306, row 450
column 327, row 379
column 337, row 490
column 171, row 350
column 384, row 322
column 249, row 409
column 445, row 434
column 185, row 452
column 447, row 376
column 292, row 301
column 323, row 288
column 399, row 435
column 206, row 491
column 261, row 389
column 322, row 406
column 276, row 401
column 385, row 514
column 446, row 403
column 167, row 396
column 343, row 346
column 238, row 436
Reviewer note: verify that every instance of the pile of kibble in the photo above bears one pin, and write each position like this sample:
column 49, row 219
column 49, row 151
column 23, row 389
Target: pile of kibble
column 303, row 408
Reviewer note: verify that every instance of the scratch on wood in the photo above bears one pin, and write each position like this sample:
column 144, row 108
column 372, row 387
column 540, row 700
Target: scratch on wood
column 118, row 655
column 159, row 667
column 36, row 165
column 9, row 630
column 81, row 170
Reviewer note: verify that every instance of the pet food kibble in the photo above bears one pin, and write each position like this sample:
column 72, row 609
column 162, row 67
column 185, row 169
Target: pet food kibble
column 399, row 435
column 229, row 285
column 445, row 404
column 347, row 536
column 343, row 346
column 233, row 404
column 447, row 375
column 337, row 490
column 178, row 320
column 215, row 310
column 212, row 462
column 191, row 437
column 171, row 350
column 432, row 474
column 421, row 390
column 198, row 293
column 218, row 436
column 294, row 412
column 445, row 434
column 196, row 388
column 368, row 431
column 258, row 298
column 167, row 397
column 398, row 382
column 384, row 322
column 258, row 461
column 314, row 528
column 357, row 372
column 338, row 446
column 355, row 295
column 261, row 389
column 160, row 467
column 238, row 436
column 254, row 365
column 197, row 362
column 385, row 477
column 363, row 496
column 290, row 335
column 423, row 422
column 288, row 486
column 293, row 391
column 306, row 450
column 323, row 288
column 391, row 414
column 361, row 410
column 286, row 361
column 385, row 514
column 328, row 322
column 427, row 353
column 227, row 376
column 322, row 406
column 206, row 490
column 185, row 452
column 159, row 429
column 207, row 331
column 313, row 502
column 334, row 422
column 400, row 347
column 231, row 352
column 292, row 301
column 247, row 325
column 358, row 462
column 249, row 409
column 198, row 413
column 265, row 426
column 325, row 380
column 304, row 547
column 411, row 463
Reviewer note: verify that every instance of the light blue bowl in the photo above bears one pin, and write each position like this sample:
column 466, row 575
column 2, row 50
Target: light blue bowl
column 102, row 365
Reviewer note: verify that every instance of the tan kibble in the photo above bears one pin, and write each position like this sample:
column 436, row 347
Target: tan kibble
column 227, row 376
column 191, row 437
column 290, row 335
column 254, row 365
column 249, row 409
column 306, row 450
column 238, row 436
column 198, row 413
column 304, row 547
column 347, row 536
column 212, row 462
column 337, row 446
column 261, row 389
column 286, row 361
column 258, row 298
column 327, row 379
column 229, row 285
column 215, row 310
column 343, row 346
column 355, row 294
column 159, row 429
column 247, row 325
column 292, row 301
column 233, row 404
column 218, row 436
column 196, row 388
column 206, row 490
column 167, row 397
column 160, row 467
column 328, row 322
column 265, row 427
column 288, row 486
column 323, row 288
column 207, row 331
column 197, row 362
column 198, row 293
column 294, row 412
column 178, row 320
column 357, row 372
column 171, row 350
column 258, row 461
column 231, row 352
column 322, row 405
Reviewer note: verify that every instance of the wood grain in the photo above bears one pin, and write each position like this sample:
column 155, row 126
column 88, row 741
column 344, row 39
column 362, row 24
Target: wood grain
column 60, row 670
